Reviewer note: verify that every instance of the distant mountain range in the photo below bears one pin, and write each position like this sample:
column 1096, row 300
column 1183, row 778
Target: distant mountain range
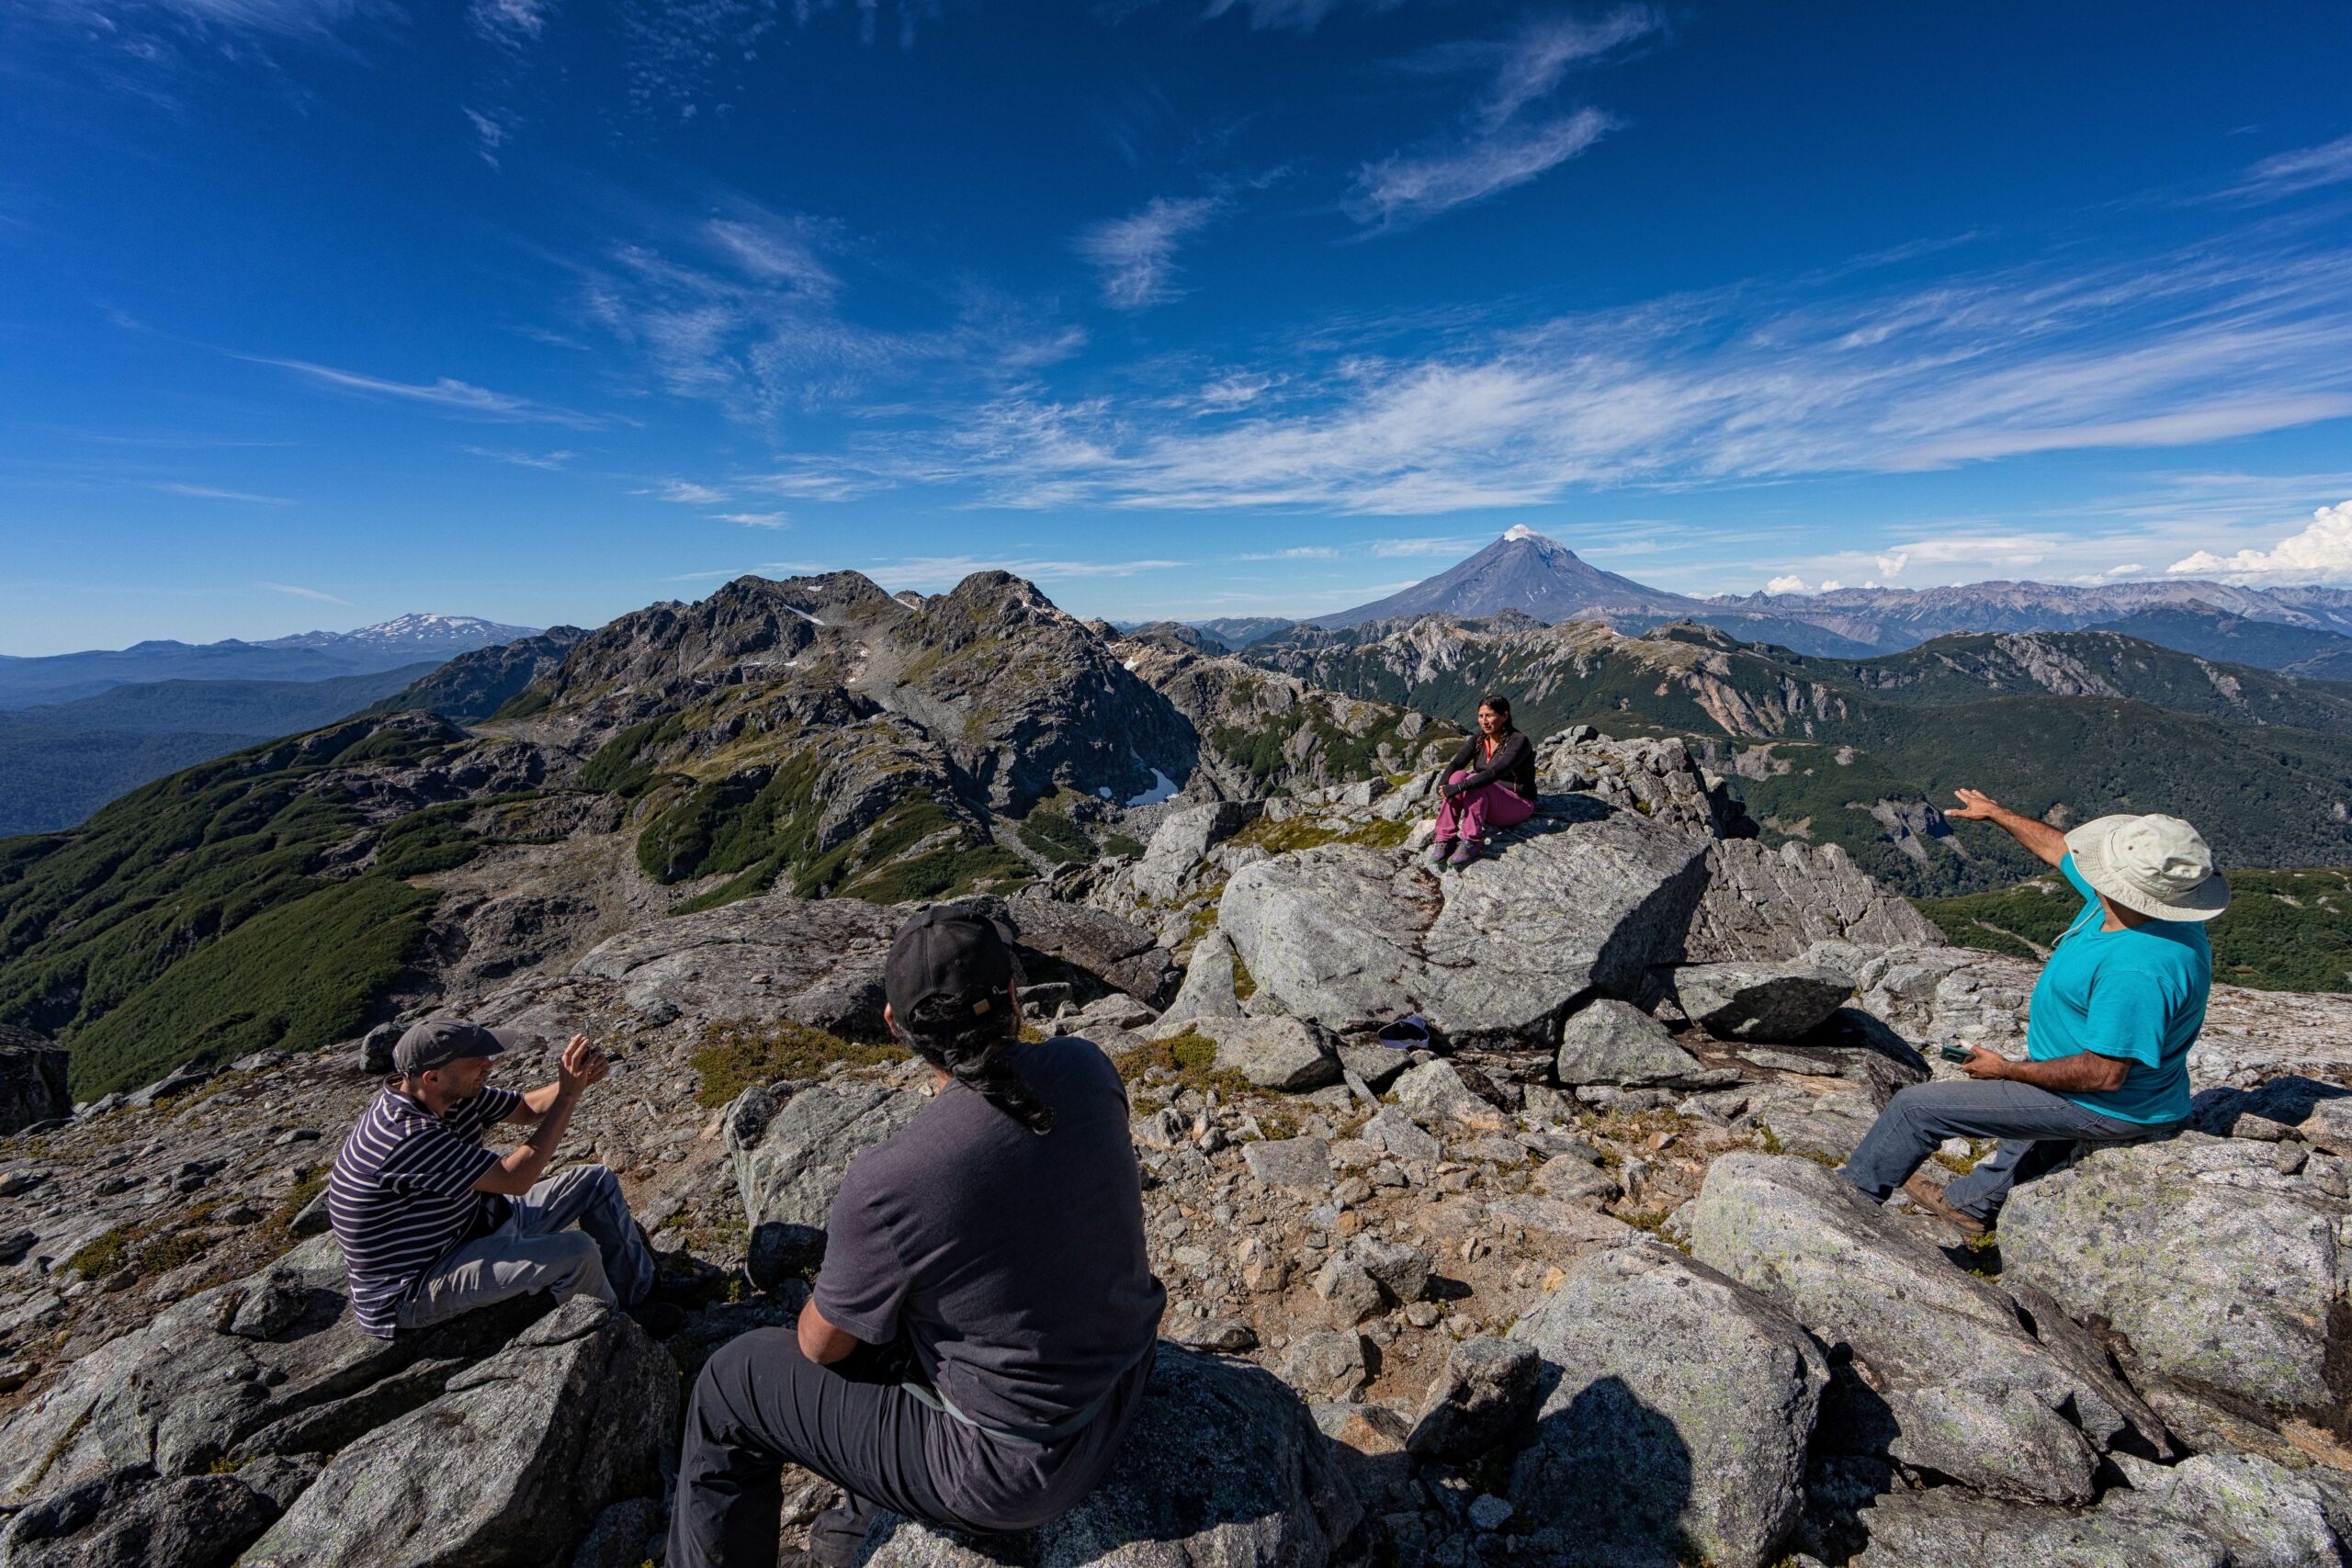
column 1863, row 752
column 306, row 656
column 1532, row 575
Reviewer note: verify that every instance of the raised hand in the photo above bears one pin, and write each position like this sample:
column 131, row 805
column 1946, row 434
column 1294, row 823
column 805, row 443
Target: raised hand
column 1975, row 805
column 582, row 1065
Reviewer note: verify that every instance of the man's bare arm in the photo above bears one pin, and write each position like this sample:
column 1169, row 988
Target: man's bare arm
column 820, row 1341
column 2084, row 1073
column 2039, row 838
column 511, row 1177
column 538, row 1101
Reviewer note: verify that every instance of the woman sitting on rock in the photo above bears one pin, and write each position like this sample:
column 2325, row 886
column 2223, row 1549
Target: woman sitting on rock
column 1490, row 782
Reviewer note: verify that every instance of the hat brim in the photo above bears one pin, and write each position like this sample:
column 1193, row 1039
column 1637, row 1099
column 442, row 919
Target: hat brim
column 2088, row 845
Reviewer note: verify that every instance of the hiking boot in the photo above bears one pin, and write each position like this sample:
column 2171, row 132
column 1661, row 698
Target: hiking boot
column 1464, row 853
column 1439, row 850
column 661, row 1319
column 1923, row 1192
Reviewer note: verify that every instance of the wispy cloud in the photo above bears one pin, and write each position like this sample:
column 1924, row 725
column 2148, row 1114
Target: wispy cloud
column 1136, row 254
column 446, row 392
column 2208, row 342
column 1503, row 145
column 209, row 492
column 2319, row 553
column 548, row 460
column 1296, row 552
column 756, row 519
column 1298, row 16
column 685, row 492
column 510, row 23
column 2305, row 168
column 300, row 592
column 765, row 568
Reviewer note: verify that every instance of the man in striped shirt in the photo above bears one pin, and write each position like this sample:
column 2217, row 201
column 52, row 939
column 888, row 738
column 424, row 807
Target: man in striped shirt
column 433, row 1223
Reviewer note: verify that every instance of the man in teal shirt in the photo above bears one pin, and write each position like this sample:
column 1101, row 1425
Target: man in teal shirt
column 2114, row 1014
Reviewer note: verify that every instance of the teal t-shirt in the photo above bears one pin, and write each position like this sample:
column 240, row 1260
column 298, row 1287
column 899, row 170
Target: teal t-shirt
column 2137, row 994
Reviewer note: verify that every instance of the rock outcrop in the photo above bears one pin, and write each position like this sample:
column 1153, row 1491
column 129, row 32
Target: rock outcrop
column 1223, row 1465
column 2217, row 1268
column 32, row 1080
column 1678, row 1425
column 789, row 1160
column 1583, row 900
column 1944, row 1375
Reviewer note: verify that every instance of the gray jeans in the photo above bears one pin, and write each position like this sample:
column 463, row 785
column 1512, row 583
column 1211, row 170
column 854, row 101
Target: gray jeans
column 537, row 1250
column 2038, row 1130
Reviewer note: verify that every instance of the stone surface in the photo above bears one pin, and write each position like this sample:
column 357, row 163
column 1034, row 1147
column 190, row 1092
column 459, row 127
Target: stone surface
column 1772, row 904
column 1394, row 1130
column 1326, row 1365
column 1172, row 861
column 1584, row 899
column 2214, row 1266
column 1945, row 1375
column 1300, row 1165
column 1950, row 1526
column 134, row 1519
column 822, row 957
column 1208, row 988
column 1284, row 1054
column 2267, row 1515
column 1611, row 1042
column 1223, row 1468
column 1768, row 1003
column 521, row 1450
column 1678, row 1424
column 790, row 1159
column 32, row 1080
column 1434, row 1095
column 1486, row 1393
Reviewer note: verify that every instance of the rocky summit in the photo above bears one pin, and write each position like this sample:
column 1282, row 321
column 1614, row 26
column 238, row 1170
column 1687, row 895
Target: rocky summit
column 1568, row 1280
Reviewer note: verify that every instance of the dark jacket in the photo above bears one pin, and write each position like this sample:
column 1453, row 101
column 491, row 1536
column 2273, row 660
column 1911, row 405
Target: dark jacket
column 1514, row 764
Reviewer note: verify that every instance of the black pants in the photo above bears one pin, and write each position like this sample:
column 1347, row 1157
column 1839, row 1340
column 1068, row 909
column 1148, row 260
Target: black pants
column 761, row 1405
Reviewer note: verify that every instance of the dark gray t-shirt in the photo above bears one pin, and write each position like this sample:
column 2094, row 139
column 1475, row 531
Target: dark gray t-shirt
column 1012, row 1266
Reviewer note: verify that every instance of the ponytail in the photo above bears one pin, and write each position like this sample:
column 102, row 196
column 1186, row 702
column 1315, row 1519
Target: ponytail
column 976, row 1059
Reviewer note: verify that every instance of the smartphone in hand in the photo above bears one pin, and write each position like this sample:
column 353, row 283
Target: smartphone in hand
column 1955, row 1053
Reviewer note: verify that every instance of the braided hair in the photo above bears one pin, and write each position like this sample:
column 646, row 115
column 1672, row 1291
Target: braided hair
column 976, row 1053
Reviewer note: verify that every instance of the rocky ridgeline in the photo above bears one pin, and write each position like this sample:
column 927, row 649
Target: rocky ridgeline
column 1580, row 1289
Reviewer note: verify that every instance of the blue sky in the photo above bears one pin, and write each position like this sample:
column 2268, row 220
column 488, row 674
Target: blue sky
column 315, row 312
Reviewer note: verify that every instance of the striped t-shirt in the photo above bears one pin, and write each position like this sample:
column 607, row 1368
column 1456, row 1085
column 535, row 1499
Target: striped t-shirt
column 401, row 1194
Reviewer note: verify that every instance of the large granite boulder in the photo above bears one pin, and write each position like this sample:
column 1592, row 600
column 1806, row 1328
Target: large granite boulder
column 817, row 961
column 1209, row 989
column 1766, row 1003
column 518, row 1454
column 1288, row 1054
column 1583, row 899
column 135, row 1518
column 1944, row 1375
column 1123, row 956
column 32, row 1080
column 1677, row 1429
column 186, row 1394
column 1223, row 1468
column 789, row 1158
column 2219, row 1269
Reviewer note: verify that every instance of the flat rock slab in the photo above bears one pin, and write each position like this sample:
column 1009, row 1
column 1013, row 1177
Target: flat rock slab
column 1677, row 1426
column 1948, row 1526
column 1494, row 954
column 817, row 961
column 1302, row 1165
column 1284, row 1054
column 2217, row 1268
column 1950, row 1380
column 1222, row 1468
column 1765, row 1003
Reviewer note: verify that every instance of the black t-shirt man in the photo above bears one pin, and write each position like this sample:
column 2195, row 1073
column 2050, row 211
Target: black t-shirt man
column 982, row 1328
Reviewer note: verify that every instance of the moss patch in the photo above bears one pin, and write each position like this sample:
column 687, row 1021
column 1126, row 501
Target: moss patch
column 1190, row 1059
column 735, row 1054
column 1057, row 838
column 1307, row 833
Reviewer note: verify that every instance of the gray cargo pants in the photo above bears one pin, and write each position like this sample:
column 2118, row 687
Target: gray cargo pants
column 2039, row 1132
column 537, row 1250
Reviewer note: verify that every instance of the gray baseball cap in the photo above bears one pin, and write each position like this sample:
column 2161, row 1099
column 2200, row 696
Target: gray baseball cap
column 437, row 1041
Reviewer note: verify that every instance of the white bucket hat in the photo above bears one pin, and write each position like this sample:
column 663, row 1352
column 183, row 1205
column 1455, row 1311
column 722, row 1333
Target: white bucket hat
column 2154, row 865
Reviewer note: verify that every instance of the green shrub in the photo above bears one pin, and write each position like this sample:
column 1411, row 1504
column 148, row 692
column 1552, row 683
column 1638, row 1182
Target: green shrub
column 735, row 1054
column 1057, row 838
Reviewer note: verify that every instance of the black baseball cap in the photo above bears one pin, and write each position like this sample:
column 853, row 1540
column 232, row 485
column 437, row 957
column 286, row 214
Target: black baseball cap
column 947, row 966
column 437, row 1041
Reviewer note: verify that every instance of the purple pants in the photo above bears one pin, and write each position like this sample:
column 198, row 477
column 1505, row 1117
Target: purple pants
column 1471, row 813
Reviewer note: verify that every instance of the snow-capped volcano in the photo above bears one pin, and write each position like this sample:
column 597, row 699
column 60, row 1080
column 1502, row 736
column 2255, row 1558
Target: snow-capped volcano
column 1522, row 571
column 414, row 633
